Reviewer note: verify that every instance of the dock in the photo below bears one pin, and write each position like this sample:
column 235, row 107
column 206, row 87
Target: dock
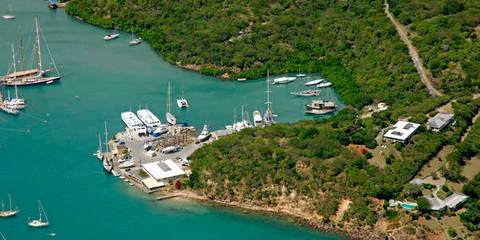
column 168, row 197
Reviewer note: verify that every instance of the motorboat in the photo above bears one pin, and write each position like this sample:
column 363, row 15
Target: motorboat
column 107, row 165
column 283, row 80
column 160, row 131
column 318, row 107
column 301, row 75
column 135, row 41
column 205, row 134
column 313, row 82
column 170, row 149
column 324, row 83
column 257, row 119
column 127, row 164
column 111, row 36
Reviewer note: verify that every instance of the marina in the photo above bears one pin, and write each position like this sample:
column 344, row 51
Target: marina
column 58, row 166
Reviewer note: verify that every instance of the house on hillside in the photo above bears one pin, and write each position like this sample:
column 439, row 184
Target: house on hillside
column 439, row 121
column 453, row 202
column 402, row 131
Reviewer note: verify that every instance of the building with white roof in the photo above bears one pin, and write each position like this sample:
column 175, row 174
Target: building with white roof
column 439, row 121
column 402, row 131
column 132, row 122
column 164, row 171
column 148, row 118
column 453, row 202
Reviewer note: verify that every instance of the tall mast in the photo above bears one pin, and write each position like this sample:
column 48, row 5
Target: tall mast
column 234, row 118
column 99, row 142
column 39, row 53
column 168, row 99
column 40, row 210
column 21, row 48
column 10, row 198
column 14, row 59
column 106, row 137
column 269, row 108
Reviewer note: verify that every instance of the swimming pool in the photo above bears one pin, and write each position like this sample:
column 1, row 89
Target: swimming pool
column 408, row 206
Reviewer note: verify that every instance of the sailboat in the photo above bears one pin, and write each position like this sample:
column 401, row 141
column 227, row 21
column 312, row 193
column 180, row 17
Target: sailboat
column 39, row 222
column 8, row 213
column 99, row 153
column 134, row 40
column 182, row 102
column 7, row 108
column 107, row 164
column 306, row 93
column 170, row 118
column 32, row 76
column 245, row 118
column 9, row 15
column 268, row 116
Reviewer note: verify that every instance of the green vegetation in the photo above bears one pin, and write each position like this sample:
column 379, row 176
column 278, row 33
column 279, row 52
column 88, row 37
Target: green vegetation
column 471, row 217
column 446, row 34
column 423, row 205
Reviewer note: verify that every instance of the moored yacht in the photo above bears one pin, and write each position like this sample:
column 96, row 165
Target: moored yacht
column 8, row 213
column 111, row 36
column 306, row 93
column 182, row 103
column 313, row 82
column 281, row 80
column 204, row 135
column 324, row 83
column 147, row 117
column 135, row 41
column 39, row 222
column 132, row 122
column 257, row 119
column 318, row 107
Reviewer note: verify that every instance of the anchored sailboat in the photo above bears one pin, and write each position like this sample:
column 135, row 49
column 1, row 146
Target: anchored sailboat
column 107, row 164
column 32, row 76
column 134, row 40
column 39, row 222
column 8, row 213
column 99, row 152
column 170, row 118
column 8, row 15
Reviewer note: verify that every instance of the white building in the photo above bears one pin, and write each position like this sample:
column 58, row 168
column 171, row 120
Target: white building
column 402, row 131
column 440, row 121
column 165, row 171
column 453, row 202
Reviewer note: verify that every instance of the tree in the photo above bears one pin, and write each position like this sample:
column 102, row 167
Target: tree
column 411, row 190
column 423, row 205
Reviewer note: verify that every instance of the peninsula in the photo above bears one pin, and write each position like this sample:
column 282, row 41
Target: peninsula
column 401, row 161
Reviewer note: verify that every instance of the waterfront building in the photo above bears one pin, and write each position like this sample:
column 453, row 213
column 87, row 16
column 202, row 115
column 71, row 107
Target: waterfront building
column 163, row 171
column 440, row 121
column 402, row 131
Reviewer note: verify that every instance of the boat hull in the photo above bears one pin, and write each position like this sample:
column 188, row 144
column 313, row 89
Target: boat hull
column 319, row 112
column 8, row 213
column 34, row 82
column 36, row 223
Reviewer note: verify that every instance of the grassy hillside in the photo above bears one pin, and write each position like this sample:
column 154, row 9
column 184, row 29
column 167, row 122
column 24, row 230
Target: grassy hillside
column 447, row 35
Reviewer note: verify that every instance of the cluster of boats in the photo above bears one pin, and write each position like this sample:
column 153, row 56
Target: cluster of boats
column 133, row 41
column 26, row 77
column 40, row 222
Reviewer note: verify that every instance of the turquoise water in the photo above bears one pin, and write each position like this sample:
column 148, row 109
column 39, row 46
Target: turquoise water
column 53, row 161
column 408, row 206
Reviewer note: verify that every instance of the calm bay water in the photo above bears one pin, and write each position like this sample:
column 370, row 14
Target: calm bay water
column 53, row 161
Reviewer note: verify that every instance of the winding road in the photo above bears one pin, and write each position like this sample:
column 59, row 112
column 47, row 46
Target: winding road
column 413, row 53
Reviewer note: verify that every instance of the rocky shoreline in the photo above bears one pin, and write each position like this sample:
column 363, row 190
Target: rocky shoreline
column 302, row 219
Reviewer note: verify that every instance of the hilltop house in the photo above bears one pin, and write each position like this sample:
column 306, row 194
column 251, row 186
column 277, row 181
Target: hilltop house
column 402, row 131
column 440, row 121
column 453, row 202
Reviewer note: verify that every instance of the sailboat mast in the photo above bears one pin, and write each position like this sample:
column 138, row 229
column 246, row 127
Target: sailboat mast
column 268, row 92
column 168, row 99
column 40, row 210
column 99, row 142
column 39, row 53
column 21, row 48
column 14, row 59
column 10, row 198
column 106, row 137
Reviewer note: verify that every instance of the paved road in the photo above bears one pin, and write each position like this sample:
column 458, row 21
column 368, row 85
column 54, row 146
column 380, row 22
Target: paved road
column 413, row 53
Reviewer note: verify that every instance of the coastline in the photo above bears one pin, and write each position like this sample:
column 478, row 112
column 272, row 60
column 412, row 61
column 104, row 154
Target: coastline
column 303, row 219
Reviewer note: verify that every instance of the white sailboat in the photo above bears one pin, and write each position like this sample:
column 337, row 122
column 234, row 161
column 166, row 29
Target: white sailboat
column 246, row 118
column 8, row 15
column 99, row 152
column 170, row 118
column 107, row 164
column 134, row 40
column 8, row 213
column 281, row 80
column 204, row 135
column 182, row 102
column 268, row 116
column 324, row 83
column 39, row 222
column 36, row 75
column 15, row 103
column 314, row 82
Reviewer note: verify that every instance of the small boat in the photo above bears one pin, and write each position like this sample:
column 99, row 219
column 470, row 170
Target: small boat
column 306, row 93
column 170, row 118
column 204, row 135
column 111, row 36
column 39, row 222
column 127, row 164
column 9, row 110
column 324, row 83
column 115, row 173
column 9, row 15
column 241, row 79
column 182, row 103
column 52, row 4
column 14, row 103
column 107, row 165
column 318, row 107
column 135, row 41
column 313, row 82
column 301, row 75
column 8, row 213
column 170, row 149
column 99, row 153
column 53, row 234
column 257, row 119
column 282, row 80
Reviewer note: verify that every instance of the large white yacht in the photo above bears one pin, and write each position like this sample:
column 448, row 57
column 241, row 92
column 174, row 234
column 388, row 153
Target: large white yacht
column 148, row 118
column 132, row 122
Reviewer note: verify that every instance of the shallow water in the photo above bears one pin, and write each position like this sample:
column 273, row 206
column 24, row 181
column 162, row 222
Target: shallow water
column 53, row 161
